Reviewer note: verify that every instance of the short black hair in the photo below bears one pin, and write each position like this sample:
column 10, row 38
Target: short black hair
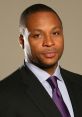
column 33, row 9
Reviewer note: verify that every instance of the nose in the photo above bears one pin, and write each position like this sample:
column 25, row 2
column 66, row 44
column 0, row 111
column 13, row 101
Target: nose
column 48, row 41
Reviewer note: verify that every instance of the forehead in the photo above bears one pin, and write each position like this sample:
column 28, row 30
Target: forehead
column 42, row 20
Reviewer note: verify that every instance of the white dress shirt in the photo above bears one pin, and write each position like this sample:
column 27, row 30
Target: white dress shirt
column 43, row 76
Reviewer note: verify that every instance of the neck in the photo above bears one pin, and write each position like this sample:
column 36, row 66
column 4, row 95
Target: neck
column 48, row 68
column 51, row 69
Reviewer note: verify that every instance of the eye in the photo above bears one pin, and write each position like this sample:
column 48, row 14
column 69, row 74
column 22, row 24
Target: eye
column 36, row 35
column 56, row 33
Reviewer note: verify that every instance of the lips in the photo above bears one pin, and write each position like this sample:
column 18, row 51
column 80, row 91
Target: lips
column 49, row 54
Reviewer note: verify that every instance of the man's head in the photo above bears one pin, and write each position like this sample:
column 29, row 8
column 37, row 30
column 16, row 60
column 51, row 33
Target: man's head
column 41, row 35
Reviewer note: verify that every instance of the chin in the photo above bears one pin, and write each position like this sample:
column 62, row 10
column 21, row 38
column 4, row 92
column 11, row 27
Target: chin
column 49, row 65
column 45, row 65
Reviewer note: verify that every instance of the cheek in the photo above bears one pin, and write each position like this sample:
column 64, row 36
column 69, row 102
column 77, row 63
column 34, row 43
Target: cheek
column 34, row 49
column 60, row 44
column 35, row 46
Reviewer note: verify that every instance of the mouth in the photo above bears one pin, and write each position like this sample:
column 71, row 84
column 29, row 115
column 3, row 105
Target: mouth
column 49, row 54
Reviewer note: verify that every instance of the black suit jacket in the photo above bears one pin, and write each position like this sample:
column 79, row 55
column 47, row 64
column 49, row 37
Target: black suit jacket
column 22, row 95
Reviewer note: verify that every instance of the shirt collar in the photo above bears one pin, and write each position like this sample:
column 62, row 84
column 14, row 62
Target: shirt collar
column 41, row 74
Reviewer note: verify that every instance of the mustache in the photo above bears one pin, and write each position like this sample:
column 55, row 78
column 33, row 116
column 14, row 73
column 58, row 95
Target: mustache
column 50, row 50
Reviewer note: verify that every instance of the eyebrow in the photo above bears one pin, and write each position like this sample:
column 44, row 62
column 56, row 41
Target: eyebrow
column 57, row 27
column 54, row 28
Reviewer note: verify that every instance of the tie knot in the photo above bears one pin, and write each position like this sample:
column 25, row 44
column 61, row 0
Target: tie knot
column 53, row 82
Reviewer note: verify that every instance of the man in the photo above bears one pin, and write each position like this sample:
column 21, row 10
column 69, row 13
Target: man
column 27, row 92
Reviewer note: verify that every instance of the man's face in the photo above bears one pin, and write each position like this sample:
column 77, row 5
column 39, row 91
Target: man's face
column 45, row 39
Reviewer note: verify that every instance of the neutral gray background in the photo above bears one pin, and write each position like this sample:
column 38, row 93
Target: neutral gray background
column 11, row 55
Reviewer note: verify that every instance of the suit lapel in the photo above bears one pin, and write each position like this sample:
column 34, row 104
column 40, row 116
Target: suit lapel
column 74, row 91
column 38, row 94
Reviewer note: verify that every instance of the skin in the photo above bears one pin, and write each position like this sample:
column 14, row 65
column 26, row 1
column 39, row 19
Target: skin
column 46, row 40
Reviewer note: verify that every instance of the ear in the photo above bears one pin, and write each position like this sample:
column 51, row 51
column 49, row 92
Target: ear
column 21, row 41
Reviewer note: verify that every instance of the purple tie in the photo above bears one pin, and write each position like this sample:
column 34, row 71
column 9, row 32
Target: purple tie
column 57, row 98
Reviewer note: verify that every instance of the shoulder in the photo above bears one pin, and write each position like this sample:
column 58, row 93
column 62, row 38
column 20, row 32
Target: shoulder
column 67, row 72
column 11, row 91
column 16, row 80
column 71, row 76
column 12, row 77
column 12, row 88
column 11, row 82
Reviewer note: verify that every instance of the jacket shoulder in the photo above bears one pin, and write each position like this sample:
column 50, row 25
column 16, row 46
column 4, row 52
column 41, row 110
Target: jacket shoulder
column 11, row 81
column 65, row 71
column 10, row 77
column 71, row 76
